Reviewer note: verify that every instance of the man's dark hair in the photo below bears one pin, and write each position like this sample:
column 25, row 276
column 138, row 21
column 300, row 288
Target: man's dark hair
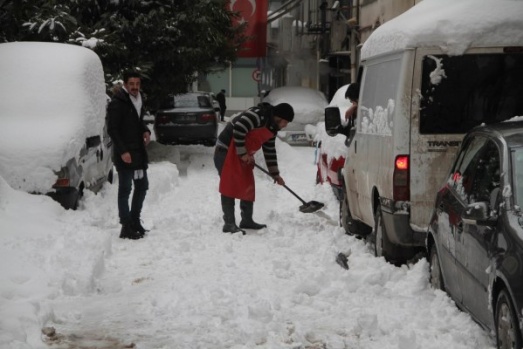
column 353, row 92
column 130, row 74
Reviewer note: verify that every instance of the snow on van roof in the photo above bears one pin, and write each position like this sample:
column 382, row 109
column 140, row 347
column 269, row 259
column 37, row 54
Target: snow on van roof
column 52, row 98
column 452, row 25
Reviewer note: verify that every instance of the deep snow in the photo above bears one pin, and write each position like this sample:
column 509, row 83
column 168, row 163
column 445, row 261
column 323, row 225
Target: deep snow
column 188, row 285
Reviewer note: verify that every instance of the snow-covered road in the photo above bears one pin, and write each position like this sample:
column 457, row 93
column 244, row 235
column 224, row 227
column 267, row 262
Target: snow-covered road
column 187, row 285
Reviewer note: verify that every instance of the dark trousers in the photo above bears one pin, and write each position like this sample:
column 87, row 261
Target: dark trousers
column 125, row 183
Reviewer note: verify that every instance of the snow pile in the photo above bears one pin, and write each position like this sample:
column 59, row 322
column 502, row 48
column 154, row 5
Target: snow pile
column 45, row 121
column 452, row 25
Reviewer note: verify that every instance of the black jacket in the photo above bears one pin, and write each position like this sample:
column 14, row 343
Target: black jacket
column 126, row 129
column 220, row 97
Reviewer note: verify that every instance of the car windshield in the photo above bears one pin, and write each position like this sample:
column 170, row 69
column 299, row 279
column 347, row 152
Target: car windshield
column 191, row 101
column 460, row 92
column 517, row 175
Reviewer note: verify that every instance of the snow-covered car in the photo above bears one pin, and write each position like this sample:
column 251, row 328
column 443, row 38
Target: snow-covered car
column 475, row 239
column 331, row 151
column 190, row 119
column 308, row 105
column 52, row 113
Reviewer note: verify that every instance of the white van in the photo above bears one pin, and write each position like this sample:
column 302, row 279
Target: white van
column 427, row 77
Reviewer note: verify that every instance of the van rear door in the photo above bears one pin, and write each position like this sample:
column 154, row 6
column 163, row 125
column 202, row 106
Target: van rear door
column 452, row 95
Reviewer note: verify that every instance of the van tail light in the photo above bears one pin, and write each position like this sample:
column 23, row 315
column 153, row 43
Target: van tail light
column 401, row 178
column 207, row 117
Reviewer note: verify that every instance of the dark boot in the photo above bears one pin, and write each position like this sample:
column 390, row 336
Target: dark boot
column 128, row 232
column 228, row 216
column 247, row 221
column 136, row 224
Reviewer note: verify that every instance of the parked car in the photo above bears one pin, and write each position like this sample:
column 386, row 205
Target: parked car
column 215, row 104
column 475, row 240
column 331, row 151
column 55, row 142
column 308, row 105
column 417, row 100
column 190, row 119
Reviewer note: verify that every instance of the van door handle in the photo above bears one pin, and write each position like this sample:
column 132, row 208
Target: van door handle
column 355, row 146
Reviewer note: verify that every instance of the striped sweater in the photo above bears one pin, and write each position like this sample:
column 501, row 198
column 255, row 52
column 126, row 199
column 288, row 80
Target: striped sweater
column 255, row 117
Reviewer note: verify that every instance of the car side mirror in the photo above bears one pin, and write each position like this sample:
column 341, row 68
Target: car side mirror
column 93, row 141
column 332, row 121
column 478, row 214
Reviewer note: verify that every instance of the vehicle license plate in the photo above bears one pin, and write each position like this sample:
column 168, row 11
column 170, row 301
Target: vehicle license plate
column 298, row 137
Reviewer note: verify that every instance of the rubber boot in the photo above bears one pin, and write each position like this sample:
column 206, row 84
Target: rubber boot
column 128, row 232
column 247, row 221
column 228, row 216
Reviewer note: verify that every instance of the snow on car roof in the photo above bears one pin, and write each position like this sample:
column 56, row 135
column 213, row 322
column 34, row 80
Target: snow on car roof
column 308, row 104
column 452, row 25
column 53, row 97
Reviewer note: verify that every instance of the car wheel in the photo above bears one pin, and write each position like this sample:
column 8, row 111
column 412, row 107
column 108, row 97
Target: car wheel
column 508, row 334
column 436, row 278
column 79, row 195
column 110, row 177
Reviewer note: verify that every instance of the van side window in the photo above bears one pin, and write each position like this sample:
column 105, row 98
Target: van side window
column 378, row 97
column 460, row 92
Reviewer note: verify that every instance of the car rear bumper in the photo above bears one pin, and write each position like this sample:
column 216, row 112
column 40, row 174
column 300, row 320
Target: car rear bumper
column 186, row 133
column 397, row 225
column 67, row 197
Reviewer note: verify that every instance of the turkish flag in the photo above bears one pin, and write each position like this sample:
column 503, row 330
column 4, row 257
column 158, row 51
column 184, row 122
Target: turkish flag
column 254, row 13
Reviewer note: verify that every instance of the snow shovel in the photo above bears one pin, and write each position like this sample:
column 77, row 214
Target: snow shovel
column 307, row 207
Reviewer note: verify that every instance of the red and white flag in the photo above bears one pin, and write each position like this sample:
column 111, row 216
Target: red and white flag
column 254, row 13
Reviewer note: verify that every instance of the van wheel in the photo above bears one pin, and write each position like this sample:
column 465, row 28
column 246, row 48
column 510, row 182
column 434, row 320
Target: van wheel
column 345, row 217
column 351, row 226
column 381, row 243
column 435, row 277
column 379, row 232
column 507, row 324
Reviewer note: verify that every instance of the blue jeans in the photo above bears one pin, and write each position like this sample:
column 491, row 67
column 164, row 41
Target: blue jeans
column 125, row 183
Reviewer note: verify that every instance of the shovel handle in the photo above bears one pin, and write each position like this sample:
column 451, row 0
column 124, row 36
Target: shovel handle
column 286, row 187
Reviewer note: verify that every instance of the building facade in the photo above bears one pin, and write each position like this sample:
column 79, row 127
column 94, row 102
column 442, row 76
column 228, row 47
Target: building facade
column 310, row 43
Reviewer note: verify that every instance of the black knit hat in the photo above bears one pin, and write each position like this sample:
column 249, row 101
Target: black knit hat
column 284, row 111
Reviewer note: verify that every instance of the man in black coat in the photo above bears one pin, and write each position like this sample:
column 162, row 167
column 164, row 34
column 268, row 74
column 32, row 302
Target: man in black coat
column 220, row 97
column 130, row 137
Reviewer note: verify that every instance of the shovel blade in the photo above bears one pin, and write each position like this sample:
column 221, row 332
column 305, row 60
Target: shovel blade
column 311, row 206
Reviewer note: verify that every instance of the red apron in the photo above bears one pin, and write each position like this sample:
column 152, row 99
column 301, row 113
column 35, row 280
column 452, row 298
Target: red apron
column 237, row 179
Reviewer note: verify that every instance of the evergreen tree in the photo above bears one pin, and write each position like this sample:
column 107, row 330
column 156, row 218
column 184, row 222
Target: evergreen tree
column 166, row 40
